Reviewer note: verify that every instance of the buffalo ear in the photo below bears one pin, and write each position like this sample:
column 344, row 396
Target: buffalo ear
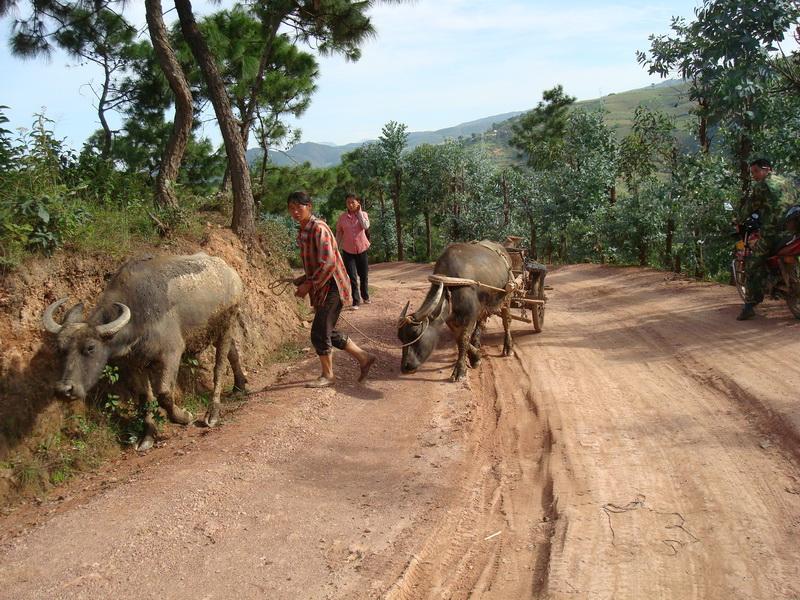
column 74, row 314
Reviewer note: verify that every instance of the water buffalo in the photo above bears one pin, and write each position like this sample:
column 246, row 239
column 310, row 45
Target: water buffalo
column 463, row 308
column 151, row 312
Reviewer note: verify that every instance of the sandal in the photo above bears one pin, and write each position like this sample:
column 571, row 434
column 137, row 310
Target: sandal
column 366, row 367
column 320, row 382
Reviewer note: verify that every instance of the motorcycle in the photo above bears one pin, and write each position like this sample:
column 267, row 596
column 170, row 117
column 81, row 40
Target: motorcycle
column 783, row 277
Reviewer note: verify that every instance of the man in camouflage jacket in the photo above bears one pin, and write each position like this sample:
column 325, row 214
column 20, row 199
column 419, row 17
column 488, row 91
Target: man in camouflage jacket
column 769, row 197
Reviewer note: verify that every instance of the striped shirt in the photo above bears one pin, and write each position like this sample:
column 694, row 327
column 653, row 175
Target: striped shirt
column 321, row 261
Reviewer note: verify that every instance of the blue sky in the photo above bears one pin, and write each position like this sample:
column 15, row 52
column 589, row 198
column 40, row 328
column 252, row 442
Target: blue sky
column 434, row 64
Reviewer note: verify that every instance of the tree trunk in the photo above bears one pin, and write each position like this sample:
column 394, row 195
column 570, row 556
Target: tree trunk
column 398, row 179
column 101, row 113
column 384, row 240
column 642, row 252
column 612, row 195
column 428, row 236
column 668, row 243
column 182, row 124
column 243, row 223
column 533, row 238
column 702, row 131
column 705, row 144
column 506, row 205
column 699, row 269
column 744, row 147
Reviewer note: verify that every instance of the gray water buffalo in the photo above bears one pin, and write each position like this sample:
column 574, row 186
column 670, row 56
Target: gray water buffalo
column 463, row 308
column 152, row 311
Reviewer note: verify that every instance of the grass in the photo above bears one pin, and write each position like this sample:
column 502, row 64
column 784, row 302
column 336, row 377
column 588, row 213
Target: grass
column 288, row 352
column 82, row 443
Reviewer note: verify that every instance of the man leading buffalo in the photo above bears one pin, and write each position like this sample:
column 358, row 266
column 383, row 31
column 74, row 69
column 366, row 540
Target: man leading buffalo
column 325, row 280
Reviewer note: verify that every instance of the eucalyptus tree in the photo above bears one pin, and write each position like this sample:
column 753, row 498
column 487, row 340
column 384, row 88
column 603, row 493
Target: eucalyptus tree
column 726, row 52
column 361, row 172
column 366, row 170
column 648, row 161
column 427, row 187
column 392, row 142
column 522, row 191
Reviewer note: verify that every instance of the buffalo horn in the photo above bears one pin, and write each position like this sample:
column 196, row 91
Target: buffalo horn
column 433, row 304
column 47, row 319
column 401, row 321
column 114, row 326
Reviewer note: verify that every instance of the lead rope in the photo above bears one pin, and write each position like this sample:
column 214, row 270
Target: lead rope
column 279, row 287
column 382, row 344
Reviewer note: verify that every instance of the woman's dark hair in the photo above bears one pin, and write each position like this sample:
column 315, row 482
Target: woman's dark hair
column 299, row 197
column 349, row 195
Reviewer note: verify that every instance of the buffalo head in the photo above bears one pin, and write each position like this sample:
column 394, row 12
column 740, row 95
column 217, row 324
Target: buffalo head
column 419, row 332
column 85, row 348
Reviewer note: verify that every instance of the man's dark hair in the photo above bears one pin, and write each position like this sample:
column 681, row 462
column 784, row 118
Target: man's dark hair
column 299, row 197
column 761, row 163
column 349, row 195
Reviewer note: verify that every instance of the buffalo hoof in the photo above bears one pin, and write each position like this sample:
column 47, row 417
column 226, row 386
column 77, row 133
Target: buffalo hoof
column 211, row 419
column 182, row 417
column 145, row 444
column 508, row 351
column 474, row 362
column 240, row 386
column 458, row 375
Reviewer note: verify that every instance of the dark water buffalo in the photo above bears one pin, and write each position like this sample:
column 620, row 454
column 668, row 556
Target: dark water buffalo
column 151, row 312
column 464, row 308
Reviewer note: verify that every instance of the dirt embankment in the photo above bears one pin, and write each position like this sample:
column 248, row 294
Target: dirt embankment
column 644, row 445
column 29, row 412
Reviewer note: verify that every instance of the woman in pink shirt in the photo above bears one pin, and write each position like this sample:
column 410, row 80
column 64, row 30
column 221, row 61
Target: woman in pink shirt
column 351, row 234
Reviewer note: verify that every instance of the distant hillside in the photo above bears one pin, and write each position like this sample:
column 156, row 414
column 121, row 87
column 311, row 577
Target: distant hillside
column 493, row 132
column 326, row 155
column 670, row 97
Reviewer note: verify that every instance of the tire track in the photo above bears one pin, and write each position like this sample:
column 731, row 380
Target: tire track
column 497, row 544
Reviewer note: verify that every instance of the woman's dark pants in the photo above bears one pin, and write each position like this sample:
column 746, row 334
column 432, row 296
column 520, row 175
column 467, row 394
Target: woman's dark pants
column 357, row 266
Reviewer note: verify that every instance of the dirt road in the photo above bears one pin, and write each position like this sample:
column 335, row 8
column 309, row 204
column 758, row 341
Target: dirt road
column 644, row 445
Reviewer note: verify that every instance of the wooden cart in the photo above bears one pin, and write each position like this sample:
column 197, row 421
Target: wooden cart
column 527, row 300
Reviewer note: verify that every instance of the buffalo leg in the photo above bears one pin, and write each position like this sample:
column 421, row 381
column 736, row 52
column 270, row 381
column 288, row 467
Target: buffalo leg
column 508, row 343
column 166, row 386
column 474, row 348
column 239, row 379
column 223, row 347
column 460, row 369
column 144, row 390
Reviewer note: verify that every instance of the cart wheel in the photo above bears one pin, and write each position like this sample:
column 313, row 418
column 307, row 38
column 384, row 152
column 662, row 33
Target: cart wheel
column 537, row 311
column 538, row 317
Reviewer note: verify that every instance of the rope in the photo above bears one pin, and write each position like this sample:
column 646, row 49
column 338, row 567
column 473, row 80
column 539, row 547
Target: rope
column 279, row 286
column 382, row 344
column 456, row 281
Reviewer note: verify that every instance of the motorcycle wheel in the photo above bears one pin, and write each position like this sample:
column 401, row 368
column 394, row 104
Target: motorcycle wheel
column 793, row 295
column 740, row 277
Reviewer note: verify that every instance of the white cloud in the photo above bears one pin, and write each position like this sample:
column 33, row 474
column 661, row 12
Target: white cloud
column 434, row 64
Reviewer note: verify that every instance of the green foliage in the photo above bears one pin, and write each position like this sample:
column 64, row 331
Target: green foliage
column 726, row 54
column 38, row 211
column 538, row 134
column 81, row 443
column 288, row 352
